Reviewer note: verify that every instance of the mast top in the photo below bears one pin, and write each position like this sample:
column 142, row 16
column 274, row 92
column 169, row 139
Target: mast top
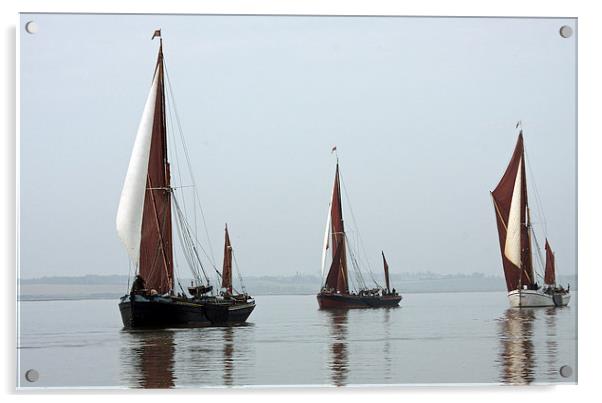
column 334, row 150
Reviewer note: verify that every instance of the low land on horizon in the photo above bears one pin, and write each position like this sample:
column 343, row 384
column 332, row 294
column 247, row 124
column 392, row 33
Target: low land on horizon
column 114, row 286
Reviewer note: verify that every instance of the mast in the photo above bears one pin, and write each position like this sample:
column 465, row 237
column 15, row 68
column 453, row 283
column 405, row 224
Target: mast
column 337, row 275
column 550, row 271
column 386, row 266
column 227, row 268
column 511, row 210
column 144, row 213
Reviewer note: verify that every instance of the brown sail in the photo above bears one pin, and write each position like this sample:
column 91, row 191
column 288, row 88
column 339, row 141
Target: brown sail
column 337, row 275
column 156, row 242
column 502, row 199
column 227, row 268
column 550, row 274
column 386, row 270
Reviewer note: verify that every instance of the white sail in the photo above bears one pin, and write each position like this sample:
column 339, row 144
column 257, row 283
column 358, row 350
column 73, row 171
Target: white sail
column 326, row 236
column 131, row 203
column 512, row 248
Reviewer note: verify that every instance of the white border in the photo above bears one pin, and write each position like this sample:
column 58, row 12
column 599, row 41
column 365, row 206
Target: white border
column 590, row 29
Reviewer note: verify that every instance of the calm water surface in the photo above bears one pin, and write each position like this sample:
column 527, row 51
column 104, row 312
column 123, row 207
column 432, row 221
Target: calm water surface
column 431, row 338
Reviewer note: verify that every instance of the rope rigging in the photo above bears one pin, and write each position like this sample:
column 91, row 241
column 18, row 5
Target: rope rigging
column 360, row 246
column 189, row 165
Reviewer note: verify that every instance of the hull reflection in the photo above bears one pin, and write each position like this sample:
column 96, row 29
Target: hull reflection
column 339, row 362
column 148, row 359
column 517, row 353
column 228, row 353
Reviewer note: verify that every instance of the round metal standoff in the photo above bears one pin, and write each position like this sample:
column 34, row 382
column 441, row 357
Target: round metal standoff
column 566, row 31
column 32, row 375
column 566, row 371
column 31, row 27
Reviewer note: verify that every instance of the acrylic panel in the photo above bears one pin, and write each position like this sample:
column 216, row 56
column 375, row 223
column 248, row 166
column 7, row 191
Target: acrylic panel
column 263, row 200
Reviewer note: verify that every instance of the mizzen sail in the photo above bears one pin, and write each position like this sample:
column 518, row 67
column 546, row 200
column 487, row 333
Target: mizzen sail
column 511, row 204
column 550, row 273
column 227, row 267
column 386, row 266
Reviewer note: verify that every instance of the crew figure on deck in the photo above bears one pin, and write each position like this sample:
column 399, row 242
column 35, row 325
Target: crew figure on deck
column 138, row 284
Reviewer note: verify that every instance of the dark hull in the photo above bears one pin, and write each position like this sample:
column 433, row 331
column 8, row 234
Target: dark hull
column 346, row 301
column 161, row 312
column 220, row 313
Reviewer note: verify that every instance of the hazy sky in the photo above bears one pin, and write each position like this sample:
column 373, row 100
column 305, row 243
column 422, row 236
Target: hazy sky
column 422, row 110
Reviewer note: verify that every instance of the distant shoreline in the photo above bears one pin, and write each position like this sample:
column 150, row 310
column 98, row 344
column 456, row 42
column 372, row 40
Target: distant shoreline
column 96, row 287
column 92, row 298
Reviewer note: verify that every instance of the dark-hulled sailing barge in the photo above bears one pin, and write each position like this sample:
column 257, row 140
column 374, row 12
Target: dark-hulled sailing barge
column 144, row 224
column 335, row 292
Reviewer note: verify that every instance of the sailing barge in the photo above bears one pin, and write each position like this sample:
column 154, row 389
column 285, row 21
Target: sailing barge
column 335, row 292
column 144, row 225
column 515, row 233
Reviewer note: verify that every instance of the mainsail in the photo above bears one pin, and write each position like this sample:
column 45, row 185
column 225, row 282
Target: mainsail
column 550, row 274
column 144, row 213
column 511, row 211
column 386, row 270
column 227, row 268
column 337, row 275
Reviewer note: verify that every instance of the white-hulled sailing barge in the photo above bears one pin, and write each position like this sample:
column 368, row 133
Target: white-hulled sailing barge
column 513, row 218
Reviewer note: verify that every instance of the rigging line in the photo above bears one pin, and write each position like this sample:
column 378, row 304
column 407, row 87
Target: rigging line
column 538, row 201
column 190, row 247
column 357, row 272
column 129, row 274
column 172, row 112
column 197, row 198
column 355, row 224
column 187, row 247
column 538, row 254
column 194, row 249
column 175, row 147
column 242, row 285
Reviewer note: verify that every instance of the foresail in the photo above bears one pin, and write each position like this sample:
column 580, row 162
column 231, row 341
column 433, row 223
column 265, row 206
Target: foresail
column 512, row 248
column 131, row 203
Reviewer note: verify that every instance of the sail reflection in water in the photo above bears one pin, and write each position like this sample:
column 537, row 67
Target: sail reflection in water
column 339, row 361
column 148, row 359
column 529, row 341
column 516, row 355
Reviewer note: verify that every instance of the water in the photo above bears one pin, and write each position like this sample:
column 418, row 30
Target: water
column 431, row 338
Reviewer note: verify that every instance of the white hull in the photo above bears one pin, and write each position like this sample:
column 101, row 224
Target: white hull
column 534, row 298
